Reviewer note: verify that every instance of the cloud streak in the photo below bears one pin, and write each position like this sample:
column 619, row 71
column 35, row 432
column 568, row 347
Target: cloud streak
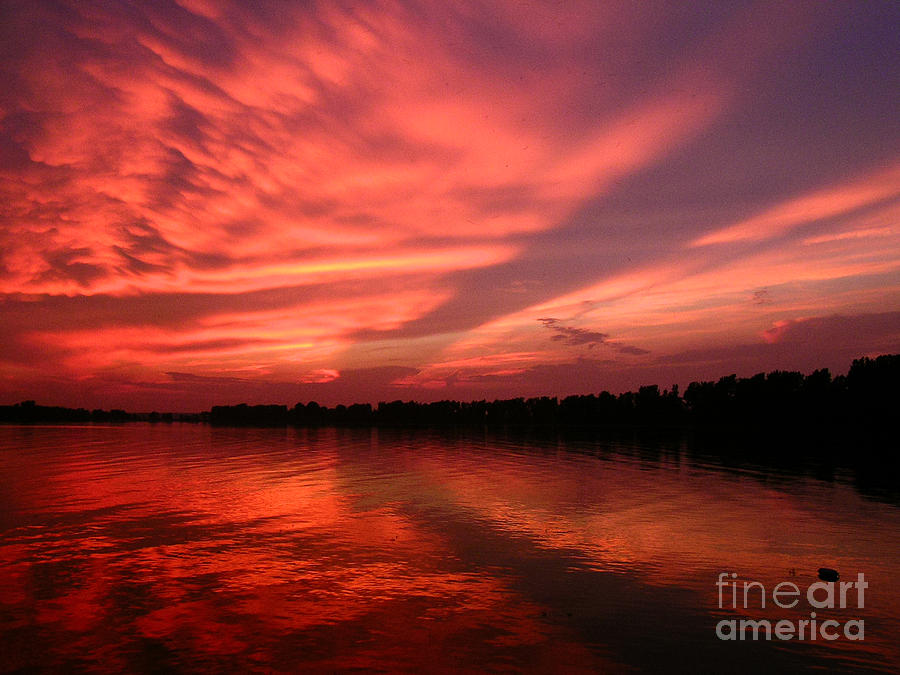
column 573, row 337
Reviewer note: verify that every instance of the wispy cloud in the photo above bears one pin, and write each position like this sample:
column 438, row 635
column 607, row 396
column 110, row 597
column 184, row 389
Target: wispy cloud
column 810, row 208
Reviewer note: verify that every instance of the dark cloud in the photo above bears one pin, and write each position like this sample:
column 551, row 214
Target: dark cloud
column 145, row 250
column 628, row 349
column 136, row 265
column 66, row 263
column 762, row 297
column 572, row 336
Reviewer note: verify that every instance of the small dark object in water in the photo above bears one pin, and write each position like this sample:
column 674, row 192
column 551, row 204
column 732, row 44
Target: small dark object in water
column 828, row 574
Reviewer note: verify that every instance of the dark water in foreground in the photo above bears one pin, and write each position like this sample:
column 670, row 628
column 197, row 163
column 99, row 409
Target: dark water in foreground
column 166, row 548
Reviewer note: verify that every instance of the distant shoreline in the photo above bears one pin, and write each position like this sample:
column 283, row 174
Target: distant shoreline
column 865, row 398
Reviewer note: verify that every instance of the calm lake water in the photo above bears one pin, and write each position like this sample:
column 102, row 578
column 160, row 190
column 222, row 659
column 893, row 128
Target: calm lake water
column 180, row 547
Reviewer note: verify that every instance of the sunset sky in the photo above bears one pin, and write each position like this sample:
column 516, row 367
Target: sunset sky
column 213, row 202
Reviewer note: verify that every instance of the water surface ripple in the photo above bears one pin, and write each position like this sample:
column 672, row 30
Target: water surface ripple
column 184, row 547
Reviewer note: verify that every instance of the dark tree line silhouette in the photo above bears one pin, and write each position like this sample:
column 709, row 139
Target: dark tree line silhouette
column 29, row 412
column 866, row 397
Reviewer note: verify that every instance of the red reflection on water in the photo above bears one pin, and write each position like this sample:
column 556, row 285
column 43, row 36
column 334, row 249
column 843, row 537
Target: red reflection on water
column 190, row 547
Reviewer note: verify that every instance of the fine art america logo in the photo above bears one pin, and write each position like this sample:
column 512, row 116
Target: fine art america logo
column 826, row 594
